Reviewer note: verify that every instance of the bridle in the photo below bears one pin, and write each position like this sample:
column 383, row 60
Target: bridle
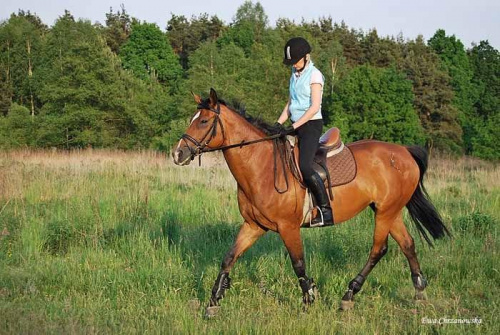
column 200, row 146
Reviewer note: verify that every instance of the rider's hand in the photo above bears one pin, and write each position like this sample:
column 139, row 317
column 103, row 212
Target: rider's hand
column 282, row 131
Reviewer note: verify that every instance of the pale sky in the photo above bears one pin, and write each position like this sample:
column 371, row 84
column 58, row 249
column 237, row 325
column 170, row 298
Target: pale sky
column 469, row 20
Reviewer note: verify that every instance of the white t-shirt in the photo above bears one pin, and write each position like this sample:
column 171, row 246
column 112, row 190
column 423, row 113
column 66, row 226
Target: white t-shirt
column 317, row 77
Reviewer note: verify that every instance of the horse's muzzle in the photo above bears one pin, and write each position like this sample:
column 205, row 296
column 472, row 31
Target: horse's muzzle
column 181, row 156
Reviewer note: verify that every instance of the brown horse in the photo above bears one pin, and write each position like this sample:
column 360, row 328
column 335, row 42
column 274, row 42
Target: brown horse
column 389, row 177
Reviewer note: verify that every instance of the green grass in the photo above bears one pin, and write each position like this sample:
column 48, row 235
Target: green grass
column 110, row 242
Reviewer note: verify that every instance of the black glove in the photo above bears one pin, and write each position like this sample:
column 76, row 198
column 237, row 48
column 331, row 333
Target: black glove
column 282, row 131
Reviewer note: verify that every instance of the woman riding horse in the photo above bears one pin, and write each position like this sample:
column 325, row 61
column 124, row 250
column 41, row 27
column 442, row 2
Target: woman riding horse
column 304, row 108
column 389, row 177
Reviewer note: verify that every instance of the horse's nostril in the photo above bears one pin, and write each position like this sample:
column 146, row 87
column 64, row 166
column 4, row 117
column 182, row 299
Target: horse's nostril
column 177, row 156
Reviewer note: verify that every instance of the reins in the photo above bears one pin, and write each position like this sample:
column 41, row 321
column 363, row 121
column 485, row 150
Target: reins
column 201, row 146
column 243, row 143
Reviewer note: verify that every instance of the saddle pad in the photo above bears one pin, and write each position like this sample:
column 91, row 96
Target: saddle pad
column 342, row 167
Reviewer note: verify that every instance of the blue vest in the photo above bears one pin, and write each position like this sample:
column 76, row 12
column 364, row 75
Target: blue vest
column 300, row 93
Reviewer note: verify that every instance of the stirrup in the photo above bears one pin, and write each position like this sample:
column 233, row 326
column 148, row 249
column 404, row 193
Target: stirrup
column 319, row 224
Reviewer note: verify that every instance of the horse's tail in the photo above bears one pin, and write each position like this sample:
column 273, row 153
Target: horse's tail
column 421, row 210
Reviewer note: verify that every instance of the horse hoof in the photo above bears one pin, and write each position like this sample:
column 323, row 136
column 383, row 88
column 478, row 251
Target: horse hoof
column 420, row 295
column 212, row 311
column 310, row 297
column 346, row 305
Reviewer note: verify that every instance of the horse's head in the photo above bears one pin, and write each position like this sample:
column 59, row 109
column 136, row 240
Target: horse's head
column 204, row 132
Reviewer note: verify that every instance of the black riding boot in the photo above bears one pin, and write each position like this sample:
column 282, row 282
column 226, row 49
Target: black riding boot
column 317, row 188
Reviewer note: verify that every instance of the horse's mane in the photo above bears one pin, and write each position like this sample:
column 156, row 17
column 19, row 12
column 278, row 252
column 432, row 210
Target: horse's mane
column 238, row 107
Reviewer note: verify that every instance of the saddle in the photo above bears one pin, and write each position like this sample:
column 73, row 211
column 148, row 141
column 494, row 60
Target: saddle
column 334, row 161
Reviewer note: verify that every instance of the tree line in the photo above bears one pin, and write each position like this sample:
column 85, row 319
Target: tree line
column 126, row 83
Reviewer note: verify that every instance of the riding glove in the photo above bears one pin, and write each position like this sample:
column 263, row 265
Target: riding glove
column 282, row 131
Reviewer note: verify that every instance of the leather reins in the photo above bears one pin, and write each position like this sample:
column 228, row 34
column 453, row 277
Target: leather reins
column 200, row 146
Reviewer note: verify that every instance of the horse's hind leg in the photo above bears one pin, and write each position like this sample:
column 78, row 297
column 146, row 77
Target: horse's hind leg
column 248, row 234
column 405, row 241
column 379, row 249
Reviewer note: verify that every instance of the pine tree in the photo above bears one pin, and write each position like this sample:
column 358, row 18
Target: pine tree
column 186, row 36
column 454, row 59
column 433, row 96
column 21, row 41
column 484, row 135
column 380, row 52
column 118, row 27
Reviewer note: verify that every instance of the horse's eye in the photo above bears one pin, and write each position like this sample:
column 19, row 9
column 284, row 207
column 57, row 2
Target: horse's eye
column 204, row 121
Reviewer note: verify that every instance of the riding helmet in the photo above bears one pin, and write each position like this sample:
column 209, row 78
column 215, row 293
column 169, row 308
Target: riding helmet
column 295, row 49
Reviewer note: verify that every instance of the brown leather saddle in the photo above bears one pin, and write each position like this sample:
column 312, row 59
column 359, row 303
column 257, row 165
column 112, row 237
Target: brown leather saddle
column 332, row 157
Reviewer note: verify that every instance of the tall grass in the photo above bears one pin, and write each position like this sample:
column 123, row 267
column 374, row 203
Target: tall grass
column 115, row 242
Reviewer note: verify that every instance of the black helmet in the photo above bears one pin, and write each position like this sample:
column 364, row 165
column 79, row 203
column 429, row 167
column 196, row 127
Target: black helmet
column 295, row 49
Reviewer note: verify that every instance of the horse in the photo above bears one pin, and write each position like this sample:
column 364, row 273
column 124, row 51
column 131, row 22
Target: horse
column 389, row 177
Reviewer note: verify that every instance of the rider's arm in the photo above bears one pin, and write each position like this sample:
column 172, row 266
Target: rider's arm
column 285, row 114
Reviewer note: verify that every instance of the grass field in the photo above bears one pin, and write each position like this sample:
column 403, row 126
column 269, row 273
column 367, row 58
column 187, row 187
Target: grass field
column 112, row 242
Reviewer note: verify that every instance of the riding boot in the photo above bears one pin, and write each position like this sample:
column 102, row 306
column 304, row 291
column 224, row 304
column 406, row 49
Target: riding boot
column 317, row 188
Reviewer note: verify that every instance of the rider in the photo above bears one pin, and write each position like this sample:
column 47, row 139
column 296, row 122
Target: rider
column 304, row 109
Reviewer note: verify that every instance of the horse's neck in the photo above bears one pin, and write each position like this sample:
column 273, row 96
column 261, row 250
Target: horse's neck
column 249, row 163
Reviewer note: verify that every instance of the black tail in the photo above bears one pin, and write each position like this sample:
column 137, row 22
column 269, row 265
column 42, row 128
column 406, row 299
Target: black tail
column 422, row 211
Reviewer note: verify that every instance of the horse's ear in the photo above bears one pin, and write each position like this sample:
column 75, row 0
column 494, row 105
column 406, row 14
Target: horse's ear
column 213, row 98
column 197, row 98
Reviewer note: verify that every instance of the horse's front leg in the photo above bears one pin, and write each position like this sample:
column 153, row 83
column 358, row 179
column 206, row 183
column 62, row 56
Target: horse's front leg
column 293, row 242
column 248, row 234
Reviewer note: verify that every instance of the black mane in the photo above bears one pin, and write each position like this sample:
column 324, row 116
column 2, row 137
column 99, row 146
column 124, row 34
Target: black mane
column 237, row 107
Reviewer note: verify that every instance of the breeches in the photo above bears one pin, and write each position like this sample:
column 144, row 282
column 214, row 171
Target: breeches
column 308, row 134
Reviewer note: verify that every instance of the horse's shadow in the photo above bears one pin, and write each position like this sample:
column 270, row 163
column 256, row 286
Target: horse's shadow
column 205, row 246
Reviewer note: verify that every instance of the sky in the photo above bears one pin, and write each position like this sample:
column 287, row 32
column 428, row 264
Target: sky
column 469, row 20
